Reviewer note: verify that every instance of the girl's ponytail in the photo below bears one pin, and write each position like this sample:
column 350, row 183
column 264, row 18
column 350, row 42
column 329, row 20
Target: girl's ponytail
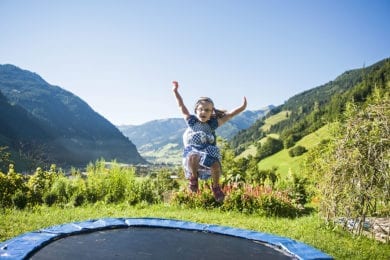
column 219, row 113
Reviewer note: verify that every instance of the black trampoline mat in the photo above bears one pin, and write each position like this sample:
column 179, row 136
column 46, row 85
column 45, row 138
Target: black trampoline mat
column 156, row 243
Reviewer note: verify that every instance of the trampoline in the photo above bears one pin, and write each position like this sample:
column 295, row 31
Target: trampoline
column 152, row 238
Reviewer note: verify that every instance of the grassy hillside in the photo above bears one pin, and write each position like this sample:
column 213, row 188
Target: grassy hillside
column 251, row 150
column 283, row 161
column 170, row 153
column 273, row 120
column 310, row 110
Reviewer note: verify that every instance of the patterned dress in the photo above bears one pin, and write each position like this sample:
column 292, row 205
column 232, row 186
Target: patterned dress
column 200, row 139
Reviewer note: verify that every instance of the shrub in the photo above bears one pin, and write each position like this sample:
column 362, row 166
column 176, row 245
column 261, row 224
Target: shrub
column 246, row 198
column 19, row 200
column 143, row 191
column 40, row 183
column 353, row 169
column 203, row 199
column 58, row 192
column 260, row 200
column 77, row 190
column 270, row 146
column 50, row 198
column 10, row 183
column 276, row 206
column 78, row 199
column 297, row 151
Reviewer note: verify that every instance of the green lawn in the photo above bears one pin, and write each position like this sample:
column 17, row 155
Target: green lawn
column 310, row 229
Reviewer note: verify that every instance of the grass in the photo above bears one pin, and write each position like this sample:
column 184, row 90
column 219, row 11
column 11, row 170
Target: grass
column 309, row 229
column 283, row 115
column 252, row 150
column 282, row 160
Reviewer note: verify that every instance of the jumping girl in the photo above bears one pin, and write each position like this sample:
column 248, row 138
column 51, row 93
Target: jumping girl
column 201, row 156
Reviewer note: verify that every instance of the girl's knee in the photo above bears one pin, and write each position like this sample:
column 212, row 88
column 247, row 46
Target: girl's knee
column 193, row 159
column 216, row 167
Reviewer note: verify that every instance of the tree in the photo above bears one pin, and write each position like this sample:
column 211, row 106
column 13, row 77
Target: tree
column 353, row 168
column 270, row 146
column 5, row 159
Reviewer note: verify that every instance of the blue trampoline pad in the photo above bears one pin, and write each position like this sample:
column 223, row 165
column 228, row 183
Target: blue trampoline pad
column 150, row 238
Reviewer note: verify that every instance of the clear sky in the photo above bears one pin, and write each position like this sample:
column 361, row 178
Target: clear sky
column 121, row 56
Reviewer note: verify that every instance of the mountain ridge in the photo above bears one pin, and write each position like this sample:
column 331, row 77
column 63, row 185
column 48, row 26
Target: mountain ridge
column 311, row 109
column 72, row 132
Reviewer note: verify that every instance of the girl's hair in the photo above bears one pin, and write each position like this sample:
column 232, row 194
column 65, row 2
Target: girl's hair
column 218, row 113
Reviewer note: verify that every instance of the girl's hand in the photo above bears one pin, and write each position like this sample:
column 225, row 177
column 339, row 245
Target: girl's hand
column 175, row 85
column 244, row 103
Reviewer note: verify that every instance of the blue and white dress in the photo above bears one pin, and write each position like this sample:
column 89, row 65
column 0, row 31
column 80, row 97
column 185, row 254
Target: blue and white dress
column 200, row 139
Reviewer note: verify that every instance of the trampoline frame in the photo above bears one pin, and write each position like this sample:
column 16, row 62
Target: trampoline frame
column 27, row 244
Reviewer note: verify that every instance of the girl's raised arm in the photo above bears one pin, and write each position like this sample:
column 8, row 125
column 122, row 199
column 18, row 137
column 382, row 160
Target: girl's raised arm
column 179, row 100
column 231, row 114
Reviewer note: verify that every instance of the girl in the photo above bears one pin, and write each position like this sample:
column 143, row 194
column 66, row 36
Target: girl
column 201, row 155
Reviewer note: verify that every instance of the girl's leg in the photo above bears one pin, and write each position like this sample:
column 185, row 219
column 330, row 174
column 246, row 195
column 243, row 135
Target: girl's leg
column 216, row 172
column 193, row 165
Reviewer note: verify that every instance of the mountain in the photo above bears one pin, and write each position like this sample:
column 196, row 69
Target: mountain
column 312, row 109
column 160, row 141
column 47, row 124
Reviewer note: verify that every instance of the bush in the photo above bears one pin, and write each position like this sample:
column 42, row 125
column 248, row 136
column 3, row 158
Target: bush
column 260, row 200
column 19, row 200
column 40, row 183
column 352, row 170
column 50, row 198
column 270, row 146
column 143, row 191
column 244, row 199
column 10, row 183
column 203, row 199
column 297, row 151
column 274, row 206
column 58, row 192
column 78, row 200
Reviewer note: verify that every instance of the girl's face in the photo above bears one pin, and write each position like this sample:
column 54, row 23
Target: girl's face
column 204, row 111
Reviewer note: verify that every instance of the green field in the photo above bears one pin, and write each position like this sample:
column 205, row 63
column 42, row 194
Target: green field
column 251, row 150
column 284, row 162
column 283, row 115
column 166, row 154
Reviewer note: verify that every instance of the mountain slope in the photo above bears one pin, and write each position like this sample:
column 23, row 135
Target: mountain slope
column 70, row 132
column 312, row 109
column 308, row 115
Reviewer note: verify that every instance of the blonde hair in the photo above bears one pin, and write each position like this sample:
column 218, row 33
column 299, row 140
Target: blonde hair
column 218, row 113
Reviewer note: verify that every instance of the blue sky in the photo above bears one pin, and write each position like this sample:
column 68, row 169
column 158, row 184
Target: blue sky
column 121, row 56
